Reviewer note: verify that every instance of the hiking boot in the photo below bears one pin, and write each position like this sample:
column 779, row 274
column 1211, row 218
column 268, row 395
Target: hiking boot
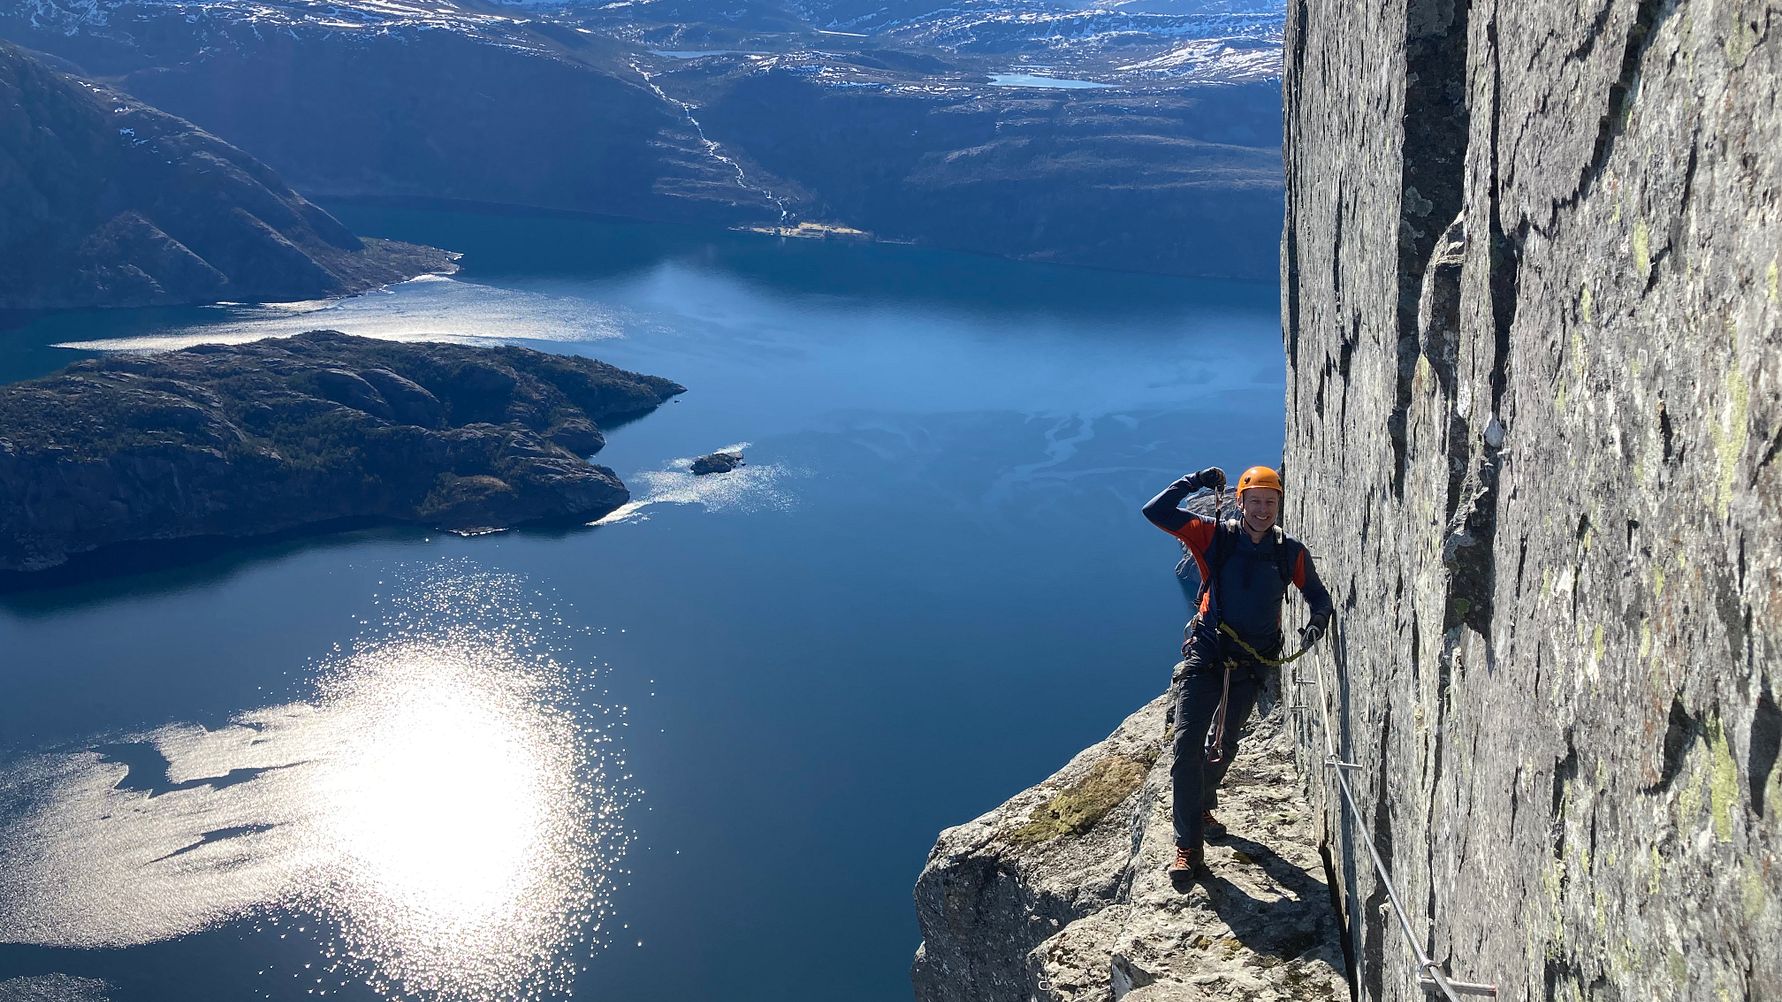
column 1188, row 861
column 1210, row 826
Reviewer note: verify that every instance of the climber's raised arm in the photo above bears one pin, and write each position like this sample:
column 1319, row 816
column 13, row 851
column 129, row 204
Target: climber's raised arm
column 1165, row 510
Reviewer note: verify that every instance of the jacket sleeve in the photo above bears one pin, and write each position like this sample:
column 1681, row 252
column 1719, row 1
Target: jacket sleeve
column 1305, row 578
column 1165, row 512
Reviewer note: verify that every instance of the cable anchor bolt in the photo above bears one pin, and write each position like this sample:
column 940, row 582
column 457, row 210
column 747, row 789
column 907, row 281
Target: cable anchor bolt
column 1432, row 980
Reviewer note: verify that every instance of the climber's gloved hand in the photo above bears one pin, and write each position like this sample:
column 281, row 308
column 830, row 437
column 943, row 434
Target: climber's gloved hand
column 1313, row 632
column 1212, row 478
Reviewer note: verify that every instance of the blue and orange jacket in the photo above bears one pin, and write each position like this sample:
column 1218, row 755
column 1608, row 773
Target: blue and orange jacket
column 1251, row 586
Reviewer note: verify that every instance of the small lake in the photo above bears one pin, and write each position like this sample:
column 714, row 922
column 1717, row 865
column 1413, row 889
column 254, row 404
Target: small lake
column 698, row 751
column 702, row 53
column 1055, row 83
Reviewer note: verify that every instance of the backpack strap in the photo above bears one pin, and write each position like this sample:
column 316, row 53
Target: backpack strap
column 1287, row 550
column 1224, row 541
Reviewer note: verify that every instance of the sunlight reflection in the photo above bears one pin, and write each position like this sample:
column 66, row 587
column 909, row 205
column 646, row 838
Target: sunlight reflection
column 442, row 802
column 457, row 826
column 429, row 308
column 445, row 806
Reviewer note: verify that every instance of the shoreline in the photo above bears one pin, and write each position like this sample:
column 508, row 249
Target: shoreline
column 516, row 210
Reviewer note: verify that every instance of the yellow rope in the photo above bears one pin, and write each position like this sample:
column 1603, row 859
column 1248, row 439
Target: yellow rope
column 1254, row 653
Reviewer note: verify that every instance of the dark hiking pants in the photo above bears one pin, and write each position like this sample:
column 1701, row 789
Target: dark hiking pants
column 1194, row 780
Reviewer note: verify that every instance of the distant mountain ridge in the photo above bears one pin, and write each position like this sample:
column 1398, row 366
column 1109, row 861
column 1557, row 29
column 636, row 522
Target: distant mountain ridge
column 1155, row 147
column 107, row 202
column 408, row 99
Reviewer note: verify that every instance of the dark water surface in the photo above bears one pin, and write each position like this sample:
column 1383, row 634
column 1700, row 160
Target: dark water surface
column 699, row 751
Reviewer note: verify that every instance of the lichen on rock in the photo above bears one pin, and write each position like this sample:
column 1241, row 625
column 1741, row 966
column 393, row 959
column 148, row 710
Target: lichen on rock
column 1076, row 809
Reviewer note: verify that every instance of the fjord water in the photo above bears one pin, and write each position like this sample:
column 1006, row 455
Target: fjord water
column 698, row 751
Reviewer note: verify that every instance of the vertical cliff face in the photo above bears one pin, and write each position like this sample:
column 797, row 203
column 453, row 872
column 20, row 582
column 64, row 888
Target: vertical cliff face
column 1530, row 295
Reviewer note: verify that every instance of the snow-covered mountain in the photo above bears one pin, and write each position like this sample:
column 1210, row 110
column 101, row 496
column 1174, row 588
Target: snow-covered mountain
column 989, row 125
column 880, row 12
column 1211, row 47
column 76, row 16
column 424, row 98
column 1213, row 41
column 107, row 202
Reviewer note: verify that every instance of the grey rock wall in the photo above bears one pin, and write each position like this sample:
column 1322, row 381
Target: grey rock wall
column 1530, row 298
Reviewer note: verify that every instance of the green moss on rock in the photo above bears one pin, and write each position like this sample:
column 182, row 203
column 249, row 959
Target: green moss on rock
column 1079, row 806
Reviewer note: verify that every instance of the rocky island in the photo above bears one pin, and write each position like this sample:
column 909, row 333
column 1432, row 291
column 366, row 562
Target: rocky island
column 243, row 440
column 717, row 462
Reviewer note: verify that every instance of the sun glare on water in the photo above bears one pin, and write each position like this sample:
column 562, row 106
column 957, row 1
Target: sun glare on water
column 441, row 819
column 456, row 824
column 441, row 800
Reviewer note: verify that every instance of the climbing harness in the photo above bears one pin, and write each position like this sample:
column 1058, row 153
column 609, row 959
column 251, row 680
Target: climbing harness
column 1215, row 747
column 1258, row 655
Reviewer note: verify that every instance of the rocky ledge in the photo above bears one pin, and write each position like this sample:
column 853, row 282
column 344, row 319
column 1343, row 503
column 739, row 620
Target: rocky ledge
column 1060, row 894
column 242, row 440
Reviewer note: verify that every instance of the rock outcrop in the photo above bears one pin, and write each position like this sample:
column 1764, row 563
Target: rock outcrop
column 717, row 462
column 236, row 441
column 1534, row 406
column 107, row 202
column 1060, row 895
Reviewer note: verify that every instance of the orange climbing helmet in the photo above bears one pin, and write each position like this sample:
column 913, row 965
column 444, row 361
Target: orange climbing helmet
column 1259, row 476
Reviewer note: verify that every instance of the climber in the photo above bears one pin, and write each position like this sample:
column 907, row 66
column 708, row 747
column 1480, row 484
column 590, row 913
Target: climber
column 1245, row 566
